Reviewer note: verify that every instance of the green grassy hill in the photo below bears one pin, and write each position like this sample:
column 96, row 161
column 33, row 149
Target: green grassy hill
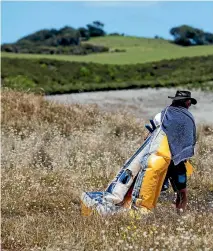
column 129, row 42
column 137, row 50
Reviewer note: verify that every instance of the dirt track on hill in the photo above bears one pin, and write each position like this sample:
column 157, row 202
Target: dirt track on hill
column 143, row 103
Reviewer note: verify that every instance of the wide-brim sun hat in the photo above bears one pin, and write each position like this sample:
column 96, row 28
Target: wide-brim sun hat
column 184, row 95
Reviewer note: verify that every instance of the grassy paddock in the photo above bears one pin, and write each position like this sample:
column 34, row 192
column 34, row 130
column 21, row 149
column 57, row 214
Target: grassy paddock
column 51, row 153
column 137, row 50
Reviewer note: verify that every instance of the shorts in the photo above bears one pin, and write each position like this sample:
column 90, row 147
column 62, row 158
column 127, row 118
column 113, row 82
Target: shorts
column 177, row 176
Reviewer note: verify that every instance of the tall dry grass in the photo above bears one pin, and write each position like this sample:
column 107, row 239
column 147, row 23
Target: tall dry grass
column 51, row 153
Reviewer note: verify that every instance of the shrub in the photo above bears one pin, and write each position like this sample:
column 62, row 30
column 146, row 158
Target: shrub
column 42, row 73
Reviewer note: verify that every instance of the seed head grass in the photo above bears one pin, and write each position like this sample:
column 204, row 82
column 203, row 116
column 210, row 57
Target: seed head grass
column 51, row 153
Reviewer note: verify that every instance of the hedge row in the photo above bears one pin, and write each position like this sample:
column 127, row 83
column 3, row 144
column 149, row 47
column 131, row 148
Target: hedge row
column 83, row 49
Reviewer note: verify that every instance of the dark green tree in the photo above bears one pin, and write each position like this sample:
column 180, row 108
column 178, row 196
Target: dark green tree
column 208, row 37
column 96, row 29
column 186, row 35
column 84, row 33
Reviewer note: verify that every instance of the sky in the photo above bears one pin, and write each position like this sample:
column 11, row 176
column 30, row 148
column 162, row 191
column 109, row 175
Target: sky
column 142, row 19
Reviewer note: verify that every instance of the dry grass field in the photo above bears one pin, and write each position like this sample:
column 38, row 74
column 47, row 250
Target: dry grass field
column 52, row 152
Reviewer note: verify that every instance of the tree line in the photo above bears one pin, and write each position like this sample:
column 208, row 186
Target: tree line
column 67, row 40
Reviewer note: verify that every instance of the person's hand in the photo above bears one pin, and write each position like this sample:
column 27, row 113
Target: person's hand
column 147, row 135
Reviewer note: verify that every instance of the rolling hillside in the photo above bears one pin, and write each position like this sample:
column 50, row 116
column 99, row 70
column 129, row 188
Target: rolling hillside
column 137, row 50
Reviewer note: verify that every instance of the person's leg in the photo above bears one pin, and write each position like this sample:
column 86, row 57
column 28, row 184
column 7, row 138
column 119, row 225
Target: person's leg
column 181, row 201
column 178, row 179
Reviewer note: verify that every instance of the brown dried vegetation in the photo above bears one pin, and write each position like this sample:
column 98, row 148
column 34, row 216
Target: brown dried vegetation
column 51, row 153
